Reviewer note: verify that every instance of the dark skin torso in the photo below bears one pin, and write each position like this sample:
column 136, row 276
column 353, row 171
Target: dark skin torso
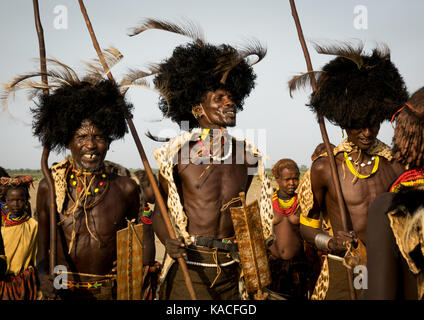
column 287, row 241
column 357, row 196
column 220, row 184
column 104, row 220
column 287, row 237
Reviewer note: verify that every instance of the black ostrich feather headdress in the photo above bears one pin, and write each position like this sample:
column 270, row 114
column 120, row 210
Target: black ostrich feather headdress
column 72, row 99
column 355, row 90
column 198, row 67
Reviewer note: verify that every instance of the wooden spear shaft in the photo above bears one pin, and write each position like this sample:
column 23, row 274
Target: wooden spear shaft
column 46, row 150
column 158, row 195
column 334, row 174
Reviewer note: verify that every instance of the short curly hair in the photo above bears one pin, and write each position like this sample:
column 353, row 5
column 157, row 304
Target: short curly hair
column 284, row 164
column 408, row 138
column 59, row 115
column 353, row 96
column 190, row 73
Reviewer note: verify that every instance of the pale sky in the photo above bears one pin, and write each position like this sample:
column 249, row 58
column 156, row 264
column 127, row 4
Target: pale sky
column 284, row 127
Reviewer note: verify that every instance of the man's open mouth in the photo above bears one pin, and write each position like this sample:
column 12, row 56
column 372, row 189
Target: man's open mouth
column 90, row 156
column 366, row 141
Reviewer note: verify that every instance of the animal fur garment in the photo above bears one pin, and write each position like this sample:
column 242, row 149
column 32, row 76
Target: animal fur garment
column 406, row 216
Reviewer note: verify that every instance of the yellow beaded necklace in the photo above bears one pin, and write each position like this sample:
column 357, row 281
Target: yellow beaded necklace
column 286, row 204
column 356, row 173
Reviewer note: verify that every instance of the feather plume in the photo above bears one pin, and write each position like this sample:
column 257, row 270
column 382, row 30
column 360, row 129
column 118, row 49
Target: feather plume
column 154, row 68
column 383, row 50
column 95, row 69
column 22, row 80
column 226, row 63
column 254, row 47
column 343, row 49
column 61, row 75
column 188, row 29
column 155, row 138
column 302, row 80
column 229, row 61
column 71, row 74
column 135, row 78
column 25, row 81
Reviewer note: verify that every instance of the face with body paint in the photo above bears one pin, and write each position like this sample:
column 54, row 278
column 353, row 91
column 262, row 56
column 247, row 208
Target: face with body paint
column 217, row 110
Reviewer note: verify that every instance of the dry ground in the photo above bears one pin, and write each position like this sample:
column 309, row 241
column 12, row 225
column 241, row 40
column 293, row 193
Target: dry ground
column 253, row 193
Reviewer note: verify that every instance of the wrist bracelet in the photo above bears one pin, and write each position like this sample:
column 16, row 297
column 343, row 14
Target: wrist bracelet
column 321, row 241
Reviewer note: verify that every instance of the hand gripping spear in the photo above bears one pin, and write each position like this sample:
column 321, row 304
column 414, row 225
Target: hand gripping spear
column 334, row 174
column 140, row 148
column 46, row 150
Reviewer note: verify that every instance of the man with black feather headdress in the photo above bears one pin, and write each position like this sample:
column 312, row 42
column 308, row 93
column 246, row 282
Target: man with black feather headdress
column 95, row 198
column 356, row 92
column 203, row 170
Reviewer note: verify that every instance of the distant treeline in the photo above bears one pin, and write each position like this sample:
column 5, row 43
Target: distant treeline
column 33, row 173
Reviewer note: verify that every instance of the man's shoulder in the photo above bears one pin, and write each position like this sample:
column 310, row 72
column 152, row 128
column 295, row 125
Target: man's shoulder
column 43, row 185
column 321, row 164
column 321, row 170
column 124, row 182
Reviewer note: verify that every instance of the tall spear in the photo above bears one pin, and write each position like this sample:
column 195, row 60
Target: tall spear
column 140, row 148
column 46, row 150
column 334, row 174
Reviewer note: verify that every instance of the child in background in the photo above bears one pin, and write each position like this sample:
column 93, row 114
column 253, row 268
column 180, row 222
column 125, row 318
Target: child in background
column 20, row 236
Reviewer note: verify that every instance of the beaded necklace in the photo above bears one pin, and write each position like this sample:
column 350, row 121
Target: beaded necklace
column 147, row 215
column 79, row 181
column 352, row 169
column 410, row 178
column 84, row 191
column 8, row 220
column 284, row 207
column 217, row 140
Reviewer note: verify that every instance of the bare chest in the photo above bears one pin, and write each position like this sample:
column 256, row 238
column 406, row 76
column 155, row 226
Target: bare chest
column 358, row 193
column 216, row 181
column 101, row 217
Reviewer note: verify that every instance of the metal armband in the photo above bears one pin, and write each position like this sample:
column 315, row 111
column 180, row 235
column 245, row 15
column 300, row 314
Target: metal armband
column 321, row 241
